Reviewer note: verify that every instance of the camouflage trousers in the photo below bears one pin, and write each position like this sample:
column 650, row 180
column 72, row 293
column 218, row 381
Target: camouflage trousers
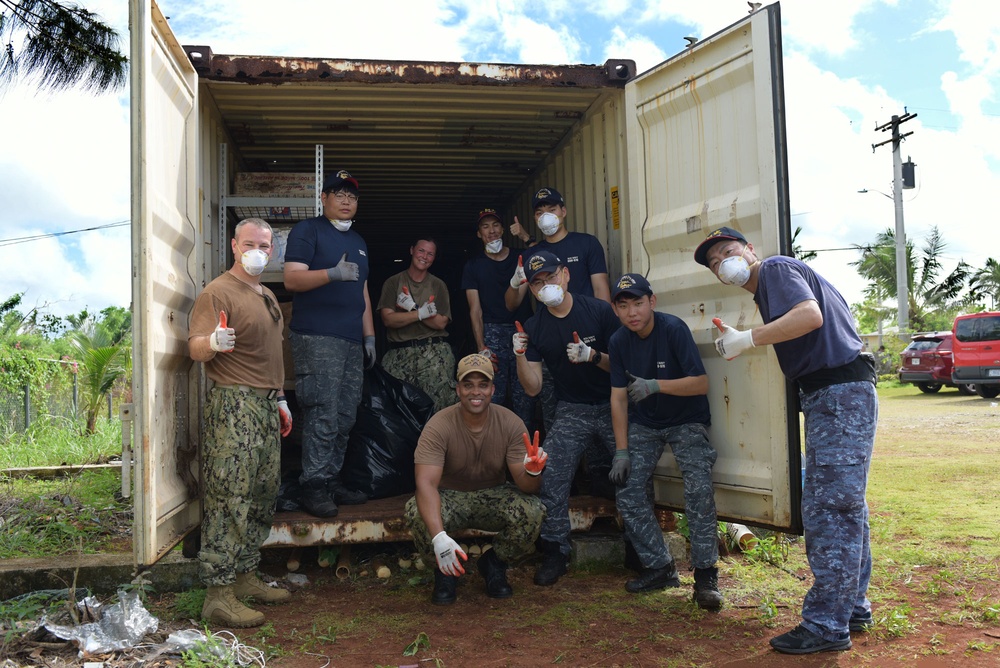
column 840, row 423
column 516, row 518
column 578, row 428
column 241, row 471
column 497, row 338
column 328, row 375
column 695, row 457
column 431, row 368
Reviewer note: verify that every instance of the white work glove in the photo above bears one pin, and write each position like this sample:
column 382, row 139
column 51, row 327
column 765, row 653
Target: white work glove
column 344, row 271
column 447, row 552
column 733, row 342
column 285, row 416
column 492, row 357
column 518, row 279
column 578, row 352
column 519, row 340
column 640, row 388
column 405, row 301
column 223, row 339
column 370, row 354
column 427, row 310
column 534, row 456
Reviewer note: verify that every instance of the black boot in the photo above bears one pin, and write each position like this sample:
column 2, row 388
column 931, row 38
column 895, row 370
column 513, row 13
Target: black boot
column 344, row 496
column 706, row 588
column 554, row 564
column 494, row 571
column 317, row 501
column 654, row 579
column 444, row 588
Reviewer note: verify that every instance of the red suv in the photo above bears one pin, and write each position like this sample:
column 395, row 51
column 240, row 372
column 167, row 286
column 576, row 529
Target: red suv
column 977, row 352
column 927, row 363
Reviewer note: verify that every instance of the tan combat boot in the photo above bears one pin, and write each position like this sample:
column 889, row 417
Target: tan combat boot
column 248, row 584
column 222, row 607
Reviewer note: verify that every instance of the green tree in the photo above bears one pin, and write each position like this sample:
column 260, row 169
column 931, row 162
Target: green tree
column 105, row 356
column 797, row 251
column 62, row 45
column 932, row 300
column 985, row 282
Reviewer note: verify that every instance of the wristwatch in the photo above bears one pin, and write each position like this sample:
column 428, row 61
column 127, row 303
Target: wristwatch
column 597, row 357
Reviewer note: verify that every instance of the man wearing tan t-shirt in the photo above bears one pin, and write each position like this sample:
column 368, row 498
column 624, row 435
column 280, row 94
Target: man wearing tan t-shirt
column 235, row 331
column 461, row 462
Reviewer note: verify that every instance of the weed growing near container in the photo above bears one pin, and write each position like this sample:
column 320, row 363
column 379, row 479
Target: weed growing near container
column 60, row 443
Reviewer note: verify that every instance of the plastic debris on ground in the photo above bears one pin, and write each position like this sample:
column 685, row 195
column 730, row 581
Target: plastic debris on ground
column 119, row 626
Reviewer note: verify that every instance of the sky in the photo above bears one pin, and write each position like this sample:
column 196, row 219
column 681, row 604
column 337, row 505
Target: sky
column 849, row 67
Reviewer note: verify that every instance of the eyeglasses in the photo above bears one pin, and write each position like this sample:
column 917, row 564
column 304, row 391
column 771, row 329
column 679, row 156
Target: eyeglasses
column 552, row 279
column 272, row 308
column 344, row 197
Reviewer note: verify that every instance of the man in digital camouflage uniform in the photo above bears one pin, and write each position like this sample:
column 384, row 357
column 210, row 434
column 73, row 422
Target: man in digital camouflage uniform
column 812, row 331
column 235, row 330
column 332, row 336
column 658, row 398
column 569, row 333
column 416, row 308
column 461, row 462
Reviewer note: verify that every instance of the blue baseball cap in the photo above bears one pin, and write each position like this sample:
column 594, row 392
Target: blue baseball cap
column 539, row 262
column 635, row 285
column 721, row 234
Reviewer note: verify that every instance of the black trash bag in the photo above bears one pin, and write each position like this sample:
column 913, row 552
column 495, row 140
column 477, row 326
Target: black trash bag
column 379, row 459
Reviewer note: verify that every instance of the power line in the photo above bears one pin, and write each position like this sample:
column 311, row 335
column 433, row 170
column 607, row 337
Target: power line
column 23, row 240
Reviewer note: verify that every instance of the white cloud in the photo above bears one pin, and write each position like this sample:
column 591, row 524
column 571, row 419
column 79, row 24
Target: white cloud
column 644, row 51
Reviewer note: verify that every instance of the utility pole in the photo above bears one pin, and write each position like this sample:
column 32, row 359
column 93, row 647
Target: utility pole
column 902, row 279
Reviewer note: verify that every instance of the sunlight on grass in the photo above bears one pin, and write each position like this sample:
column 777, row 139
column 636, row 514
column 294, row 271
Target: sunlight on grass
column 46, row 444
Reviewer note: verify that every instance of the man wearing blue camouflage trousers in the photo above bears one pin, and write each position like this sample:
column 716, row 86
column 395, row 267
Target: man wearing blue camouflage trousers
column 812, row 331
column 656, row 367
column 569, row 333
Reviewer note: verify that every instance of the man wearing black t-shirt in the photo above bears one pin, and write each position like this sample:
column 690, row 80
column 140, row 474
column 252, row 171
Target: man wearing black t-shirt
column 484, row 279
column 569, row 333
column 658, row 398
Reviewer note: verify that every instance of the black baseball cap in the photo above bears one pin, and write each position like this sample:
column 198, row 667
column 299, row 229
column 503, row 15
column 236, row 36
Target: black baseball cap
column 546, row 196
column 485, row 213
column 635, row 285
column 721, row 234
column 539, row 262
column 337, row 179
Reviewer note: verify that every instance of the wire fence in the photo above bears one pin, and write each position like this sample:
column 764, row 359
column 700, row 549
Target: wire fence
column 56, row 404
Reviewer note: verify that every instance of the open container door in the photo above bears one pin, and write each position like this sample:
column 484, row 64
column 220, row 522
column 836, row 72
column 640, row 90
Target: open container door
column 706, row 148
column 166, row 271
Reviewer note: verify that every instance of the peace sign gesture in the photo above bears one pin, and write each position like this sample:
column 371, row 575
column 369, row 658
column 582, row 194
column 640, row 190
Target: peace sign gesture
column 534, row 460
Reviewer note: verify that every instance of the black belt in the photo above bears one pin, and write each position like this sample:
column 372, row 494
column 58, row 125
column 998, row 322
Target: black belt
column 246, row 389
column 860, row 368
column 415, row 343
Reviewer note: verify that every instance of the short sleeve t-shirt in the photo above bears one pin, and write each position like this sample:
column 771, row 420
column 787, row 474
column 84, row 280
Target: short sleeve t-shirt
column 337, row 308
column 782, row 283
column 491, row 278
column 421, row 292
column 256, row 360
column 472, row 461
column 668, row 353
column 595, row 321
column 582, row 253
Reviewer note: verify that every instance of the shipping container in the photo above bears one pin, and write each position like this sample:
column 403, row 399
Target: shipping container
column 648, row 162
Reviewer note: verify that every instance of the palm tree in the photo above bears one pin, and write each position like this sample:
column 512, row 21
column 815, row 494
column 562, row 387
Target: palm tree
column 927, row 295
column 105, row 357
column 797, row 251
column 986, row 281
column 63, row 46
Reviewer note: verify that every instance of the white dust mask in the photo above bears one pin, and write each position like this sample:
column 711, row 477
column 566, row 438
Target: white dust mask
column 551, row 295
column 494, row 246
column 342, row 225
column 254, row 261
column 734, row 271
column 548, row 223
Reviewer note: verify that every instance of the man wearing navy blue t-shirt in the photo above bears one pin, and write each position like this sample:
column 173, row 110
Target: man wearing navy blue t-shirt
column 658, row 388
column 811, row 328
column 570, row 334
column 484, row 279
column 332, row 334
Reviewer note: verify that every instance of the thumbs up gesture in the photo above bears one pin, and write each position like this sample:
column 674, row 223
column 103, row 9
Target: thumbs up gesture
column 519, row 278
column 520, row 339
column 578, row 352
column 223, row 339
column 732, row 342
column 427, row 310
column 344, row 271
column 404, row 300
